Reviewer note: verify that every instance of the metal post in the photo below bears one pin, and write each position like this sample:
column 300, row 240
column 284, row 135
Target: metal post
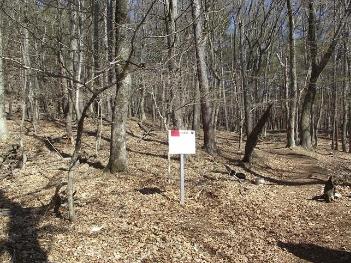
column 182, row 175
column 169, row 168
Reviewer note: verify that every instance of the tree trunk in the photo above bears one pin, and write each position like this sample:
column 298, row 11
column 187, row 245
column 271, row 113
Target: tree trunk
column 98, row 79
column 306, row 115
column 75, row 54
column 349, row 121
column 3, row 127
column 118, row 148
column 225, row 107
column 67, row 107
column 316, row 124
column 27, row 85
column 286, row 95
column 318, row 66
column 245, row 86
column 344, row 95
column 96, row 55
column 109, row 38
column 196, row 107
column 292, row 80
column 172, row 39
column 335, row 145
column 206, row 109
column 143, row 91
column 142, row 115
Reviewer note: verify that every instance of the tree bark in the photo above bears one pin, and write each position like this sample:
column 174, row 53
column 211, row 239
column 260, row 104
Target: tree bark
column 292, row 79
column 171, row 7
column 316, row 124
column 143, row 91
column 75, row 53
column 345, row 122
column 3, row 126
column 67, row 101
column 142, row 114
column 206, row 109
column 224, row 97
column 27, row 84
column 109, row 38
column 335, row 144
column 196, row 107
column 118, row 147
column 245, row 85
column 306, row 115
column 316, row 70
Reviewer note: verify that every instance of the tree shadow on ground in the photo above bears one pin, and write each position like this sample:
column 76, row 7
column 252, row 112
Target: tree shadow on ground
column 91, row 162
column 163, row 156
column 94, row 134
column 296, row 182
column 146, row 139
column 50, row 142
column 270, row 179
column 300, row 172
column 22, row 243
column 316, row 253
column 284, row 182
column 290, row 154
column 150, row 190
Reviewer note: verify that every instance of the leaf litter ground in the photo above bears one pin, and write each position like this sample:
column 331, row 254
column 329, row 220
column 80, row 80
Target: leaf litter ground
column 135, row 216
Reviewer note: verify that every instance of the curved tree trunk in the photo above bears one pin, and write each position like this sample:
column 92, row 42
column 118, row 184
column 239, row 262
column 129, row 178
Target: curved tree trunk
column 318, row 66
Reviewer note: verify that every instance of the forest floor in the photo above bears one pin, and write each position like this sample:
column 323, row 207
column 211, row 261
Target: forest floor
column 135, row 216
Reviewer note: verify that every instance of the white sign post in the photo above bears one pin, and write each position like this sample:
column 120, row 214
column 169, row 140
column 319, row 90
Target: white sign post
column 181, row 142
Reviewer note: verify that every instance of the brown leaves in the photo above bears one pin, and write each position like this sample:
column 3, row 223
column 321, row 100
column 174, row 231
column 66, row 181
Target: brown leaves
column 222, row 220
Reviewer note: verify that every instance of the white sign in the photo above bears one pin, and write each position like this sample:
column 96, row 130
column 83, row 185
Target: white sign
column 181, row 142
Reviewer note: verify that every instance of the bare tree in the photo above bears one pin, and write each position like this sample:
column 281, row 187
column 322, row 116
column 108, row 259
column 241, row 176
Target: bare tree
column 292, row 79
column 3, row 127
column 346, row 89
column 171, row 12
column 257, row 29
column 206, row 109
column 118, row 148
column 317, row 66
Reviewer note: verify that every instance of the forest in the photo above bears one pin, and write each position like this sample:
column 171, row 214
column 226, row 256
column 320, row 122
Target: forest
column 89, row 90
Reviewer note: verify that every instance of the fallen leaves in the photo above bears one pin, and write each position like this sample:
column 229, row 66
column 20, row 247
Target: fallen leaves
column 136, row 216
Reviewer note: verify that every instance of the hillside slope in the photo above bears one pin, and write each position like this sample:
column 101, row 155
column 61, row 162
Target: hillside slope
column 135, row 216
